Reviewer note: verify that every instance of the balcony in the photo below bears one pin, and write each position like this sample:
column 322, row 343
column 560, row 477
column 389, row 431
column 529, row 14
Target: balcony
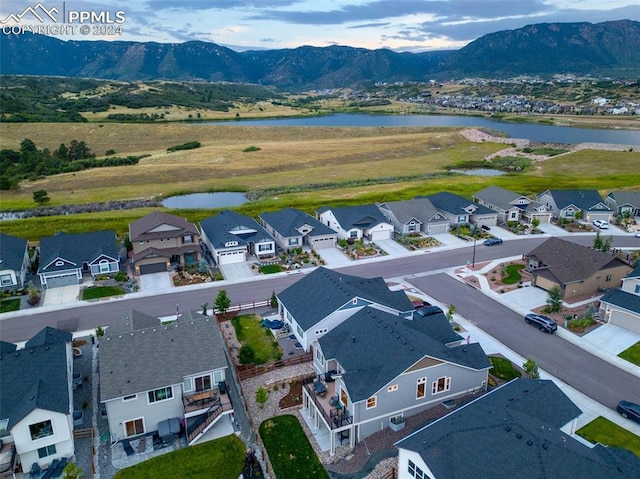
column 198, row 402
column 326, row 402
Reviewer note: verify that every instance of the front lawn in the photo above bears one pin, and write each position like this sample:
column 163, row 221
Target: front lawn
column 7, row 305
column 260, row 339
column 270, row 268
column 513, row 274
column 503, row 368
column 222, row 458
column 95, row 292
column 289, row 450
column 632, row 354
column 610, row 434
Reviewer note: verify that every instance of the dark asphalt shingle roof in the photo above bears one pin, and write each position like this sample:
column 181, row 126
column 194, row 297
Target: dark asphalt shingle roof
column 288, row 220
column 221, row 227
column 623, row 299
column 323, row 291
column 420, row 209
column 588, row 200
column 12, row 251
column 455, row 204
column 140, row 229
column 136, row 357
column 404, row 342
column 570, row 262
column 635, row 273
column 76, row 248
column 514, row 431
column 362, row 217
column 500, row 197
column 622, row 198
column 35, row 376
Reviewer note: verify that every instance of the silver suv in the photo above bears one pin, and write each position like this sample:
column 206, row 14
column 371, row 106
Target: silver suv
column 542, row 322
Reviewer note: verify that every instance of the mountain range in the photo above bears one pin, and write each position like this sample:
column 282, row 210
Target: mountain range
column 608, row 49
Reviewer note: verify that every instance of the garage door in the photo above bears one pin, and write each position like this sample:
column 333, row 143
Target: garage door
column 625, row 320
column 381, row 235
column 319, row 243
column 60, row 281
column 153, row 268
column 231, row 257
column 438, row 229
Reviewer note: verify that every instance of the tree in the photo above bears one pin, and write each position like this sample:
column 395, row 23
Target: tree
column 597, row 242
column 71, row 471
column 451, row 310
column 40, row 197
column 531, row 369
column 554, row 299
column 535, row 222
column 273, row 302
column 246, row 355
column 606, row 244
column 222, row 302
column 261, row 396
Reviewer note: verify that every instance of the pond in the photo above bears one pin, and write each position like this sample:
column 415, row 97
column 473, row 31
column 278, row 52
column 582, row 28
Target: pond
column 205, row 200
column 479, row 172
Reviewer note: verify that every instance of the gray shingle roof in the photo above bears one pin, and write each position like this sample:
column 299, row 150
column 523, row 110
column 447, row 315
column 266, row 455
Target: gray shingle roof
column 12, row 251
column 363, row 216
column 456, row 204
column 288, row 220
column 514, row 432
column 570, row 262
column 324, row 291
column 499, row 197
column 404, row 343
column 221, row 227
column 77, row 248
column 588, row 200
column 139, row 229
column 623, row 299
column 35, row 377
column 420, row 209
column 622, row 198
column 146, row 357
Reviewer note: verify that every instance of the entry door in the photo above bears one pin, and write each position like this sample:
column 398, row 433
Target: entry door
column 134, row 427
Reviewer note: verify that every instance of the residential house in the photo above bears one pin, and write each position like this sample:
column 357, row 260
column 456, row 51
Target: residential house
column 379, row 367
column 566, row 204
column 160, row 240
column 14, row 262
column 414, row 216
column 624, row 203
column 460, row 211
column 36, row 398
column 523, row 429
column 511, row 206
column 153, row 372
column 356, row 222
column 294, row 229
column 622, row 306
column 230, row 237
column 65, row 257
column 324, row 298
column 578, row 271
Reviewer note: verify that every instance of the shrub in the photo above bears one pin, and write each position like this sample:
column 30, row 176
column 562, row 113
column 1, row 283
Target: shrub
column 120, row 276
column 250, row 149
column 190, row 145
column 262, row 395
column 246, row 355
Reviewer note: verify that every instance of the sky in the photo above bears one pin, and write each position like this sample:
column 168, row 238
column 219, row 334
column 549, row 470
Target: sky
column 400, row 25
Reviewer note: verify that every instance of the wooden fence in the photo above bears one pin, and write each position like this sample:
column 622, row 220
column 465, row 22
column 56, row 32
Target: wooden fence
column 246, row 371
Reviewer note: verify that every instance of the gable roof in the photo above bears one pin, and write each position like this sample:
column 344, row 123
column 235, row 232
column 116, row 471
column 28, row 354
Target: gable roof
column 622, row 198
column 421, row 209
column 12, row 251
column 622, row 299
column 635, row 273
column 332, row 290
column 354, row 344
column 137, row 356
column 521, row 420
column 288, row 220
column 229, row 226
column 588, row 200
column 570, row 262
column 456, row 204
column 500, row 197
column 77, row 248
column 35, row 376
column 362, row 217
column 142, row 227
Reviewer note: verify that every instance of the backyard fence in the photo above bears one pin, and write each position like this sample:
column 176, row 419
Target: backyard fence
column 246, row 371
column 243, row 307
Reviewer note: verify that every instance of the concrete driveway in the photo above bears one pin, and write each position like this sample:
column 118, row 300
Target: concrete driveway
column 62, row 295
column 236, row 271
column 392, row 248
column 333, row 258
column 612, row 338
column 155, row 282
column 525, row 299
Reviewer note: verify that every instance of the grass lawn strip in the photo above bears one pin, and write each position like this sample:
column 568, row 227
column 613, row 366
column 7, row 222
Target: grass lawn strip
column 289, row 450
column 513, row 274
column 95, row 292
column 503, row 369
column 632, row 354
column 270, row 268
column 7, row 305
column 250, row 333
column 222, row 458
column 610, row 434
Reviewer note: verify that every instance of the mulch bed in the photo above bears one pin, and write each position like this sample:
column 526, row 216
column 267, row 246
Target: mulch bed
column 293, row 397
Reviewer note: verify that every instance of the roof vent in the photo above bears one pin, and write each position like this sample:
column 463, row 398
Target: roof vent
column 519, row 436
column 529, row 442
column 545, row 445
column 353, row 339
column 508, row 428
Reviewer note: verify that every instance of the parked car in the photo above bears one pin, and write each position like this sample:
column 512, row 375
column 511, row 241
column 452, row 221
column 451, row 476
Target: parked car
column 486, row 228
column 428, row 311
column 637, row 234
column 492, row 241
column 629, row 410
column 542, row 322
column 602, row 224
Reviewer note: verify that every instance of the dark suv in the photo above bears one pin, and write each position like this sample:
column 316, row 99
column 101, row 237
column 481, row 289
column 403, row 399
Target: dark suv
column 542, row 322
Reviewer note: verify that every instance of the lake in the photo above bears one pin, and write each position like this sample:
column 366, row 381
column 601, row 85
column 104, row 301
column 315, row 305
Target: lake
column 531, row 131
column 205, row 200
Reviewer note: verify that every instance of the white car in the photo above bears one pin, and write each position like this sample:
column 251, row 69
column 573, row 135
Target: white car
column 603, row 225
column 637, row 234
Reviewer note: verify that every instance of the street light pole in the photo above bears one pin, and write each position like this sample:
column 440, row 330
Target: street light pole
column 473, row 261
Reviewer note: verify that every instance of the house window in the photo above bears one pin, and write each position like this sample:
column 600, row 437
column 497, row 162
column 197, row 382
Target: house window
column 319, row 355
column 161, row 394
column 372, row 402
column 514, row 215
column 462, row 219
column 441, row 385
column 46, row 451
column 134, row 427
column 130, row 398
column 265, row 247
column 321, row 331
column 299, row 331
column 6, row 280
column 4, row 427
column 421, row 390
column 203, row 383
column 293, row 241
column 164, row 240
column 104, row 266
column 638, row 288
column 186, row 385
column 144, row 242
column 187, row 239
column 353, row 234
column 354, row 301
column 415, row 471
column 393, row 388
column 41, row 429
column 608, row 278
column 218, row 376
column 412, row 226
